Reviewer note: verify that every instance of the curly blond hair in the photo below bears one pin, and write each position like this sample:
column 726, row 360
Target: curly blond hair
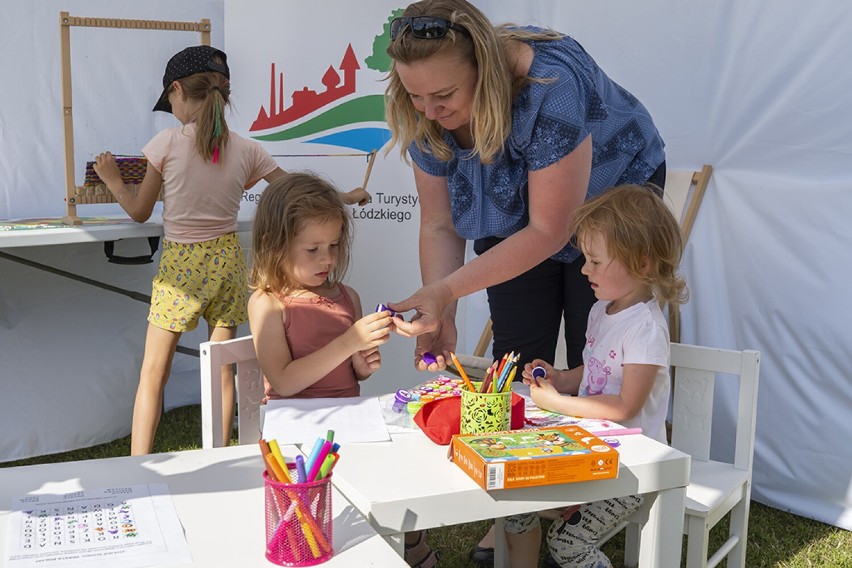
column 638, row 227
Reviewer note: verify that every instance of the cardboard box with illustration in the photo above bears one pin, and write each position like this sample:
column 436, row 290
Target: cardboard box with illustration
column 541, row 456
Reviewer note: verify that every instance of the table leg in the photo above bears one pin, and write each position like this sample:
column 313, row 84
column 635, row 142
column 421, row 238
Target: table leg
column 397, row 542
column 501, row 551
column 662, row 534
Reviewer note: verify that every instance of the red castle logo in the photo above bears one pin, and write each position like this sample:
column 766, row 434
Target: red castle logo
column 306, row 101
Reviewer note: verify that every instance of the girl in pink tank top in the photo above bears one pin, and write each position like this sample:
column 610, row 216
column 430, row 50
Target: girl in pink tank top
column 309, row 333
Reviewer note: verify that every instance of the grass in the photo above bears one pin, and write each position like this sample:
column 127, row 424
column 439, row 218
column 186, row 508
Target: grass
column 776, row 538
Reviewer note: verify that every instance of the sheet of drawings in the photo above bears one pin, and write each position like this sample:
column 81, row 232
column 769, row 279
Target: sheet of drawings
column 131, row 527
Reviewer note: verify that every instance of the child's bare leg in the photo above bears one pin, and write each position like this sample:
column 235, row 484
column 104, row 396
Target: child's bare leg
column 524, row 548
column 488, row 540
column 223, row 334
column 160, row 347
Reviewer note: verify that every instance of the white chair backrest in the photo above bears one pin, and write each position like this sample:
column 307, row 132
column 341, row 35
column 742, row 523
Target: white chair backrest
column 696, row 369
column 249, row 380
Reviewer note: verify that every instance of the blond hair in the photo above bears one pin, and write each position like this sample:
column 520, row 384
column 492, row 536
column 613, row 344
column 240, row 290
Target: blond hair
column 212, row 91
column 285, row 207
column 641, row 233
column 483, row 47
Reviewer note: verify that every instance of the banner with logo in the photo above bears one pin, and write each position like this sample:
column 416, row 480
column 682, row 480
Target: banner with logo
column 308, row 83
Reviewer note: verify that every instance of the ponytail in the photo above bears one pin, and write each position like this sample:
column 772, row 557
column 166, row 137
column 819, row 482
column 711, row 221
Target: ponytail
column 213, row 91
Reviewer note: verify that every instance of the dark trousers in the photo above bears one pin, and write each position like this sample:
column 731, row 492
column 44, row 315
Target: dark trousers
column 526, row 312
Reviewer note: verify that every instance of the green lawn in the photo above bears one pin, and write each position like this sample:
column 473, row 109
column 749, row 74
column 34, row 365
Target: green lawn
column 776, row 538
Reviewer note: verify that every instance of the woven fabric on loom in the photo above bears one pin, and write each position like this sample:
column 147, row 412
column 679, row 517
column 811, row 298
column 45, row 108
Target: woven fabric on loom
column 132, row 170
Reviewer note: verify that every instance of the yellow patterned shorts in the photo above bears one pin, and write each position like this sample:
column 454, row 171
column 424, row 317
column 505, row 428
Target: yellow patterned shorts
column 206, row 279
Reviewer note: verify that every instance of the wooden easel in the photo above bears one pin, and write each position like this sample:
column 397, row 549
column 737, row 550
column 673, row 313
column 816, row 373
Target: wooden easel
column 73, row 196
column 692, row 198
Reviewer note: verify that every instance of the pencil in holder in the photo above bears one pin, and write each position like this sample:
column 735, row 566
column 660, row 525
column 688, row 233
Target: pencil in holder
column 485, row 412
column 298, row 522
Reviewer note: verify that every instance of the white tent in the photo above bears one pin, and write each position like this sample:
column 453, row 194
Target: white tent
column 757, row 90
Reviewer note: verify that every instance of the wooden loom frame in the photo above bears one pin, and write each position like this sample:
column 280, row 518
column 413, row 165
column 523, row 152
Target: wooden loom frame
column 67, row 21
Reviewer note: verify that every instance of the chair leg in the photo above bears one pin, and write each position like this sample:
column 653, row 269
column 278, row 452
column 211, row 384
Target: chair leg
column 739, row 528
column 698, row 536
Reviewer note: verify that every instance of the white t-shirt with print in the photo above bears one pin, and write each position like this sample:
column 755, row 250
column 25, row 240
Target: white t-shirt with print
column 636, row 335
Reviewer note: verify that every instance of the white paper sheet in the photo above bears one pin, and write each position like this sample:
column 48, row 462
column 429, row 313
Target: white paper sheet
column 131, row 526
column 302, row 421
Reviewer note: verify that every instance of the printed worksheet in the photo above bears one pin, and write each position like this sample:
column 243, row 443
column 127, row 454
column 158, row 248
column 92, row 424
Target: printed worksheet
column 131, row 527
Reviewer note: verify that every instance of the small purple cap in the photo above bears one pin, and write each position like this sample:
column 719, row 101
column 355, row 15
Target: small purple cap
column 384, row 308
column 539, row 372
column 401, row 400
column 428, row 358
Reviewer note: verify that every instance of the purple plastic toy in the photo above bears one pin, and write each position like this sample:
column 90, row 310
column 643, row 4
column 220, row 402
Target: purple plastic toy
column 428, row 358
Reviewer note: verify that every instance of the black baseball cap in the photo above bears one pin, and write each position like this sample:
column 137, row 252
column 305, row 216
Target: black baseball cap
column 192, row 60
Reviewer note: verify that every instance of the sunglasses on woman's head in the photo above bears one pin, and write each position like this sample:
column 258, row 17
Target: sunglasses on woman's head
column 423, row 27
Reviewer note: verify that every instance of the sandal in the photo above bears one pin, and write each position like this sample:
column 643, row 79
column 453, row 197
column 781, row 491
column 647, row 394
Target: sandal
column 419, row 555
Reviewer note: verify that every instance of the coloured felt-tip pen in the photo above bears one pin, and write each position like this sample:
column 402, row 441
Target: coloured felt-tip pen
column 300, row 469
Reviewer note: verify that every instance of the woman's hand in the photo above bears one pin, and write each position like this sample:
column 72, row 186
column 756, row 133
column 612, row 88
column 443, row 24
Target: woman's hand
column 429, row 304
column 439, row 343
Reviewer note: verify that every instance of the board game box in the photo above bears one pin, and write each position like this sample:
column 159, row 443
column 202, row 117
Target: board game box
column 542, row 456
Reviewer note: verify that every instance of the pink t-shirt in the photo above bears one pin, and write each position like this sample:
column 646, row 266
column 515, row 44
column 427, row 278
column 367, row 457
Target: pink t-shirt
column 201, row 199
column 310, row 324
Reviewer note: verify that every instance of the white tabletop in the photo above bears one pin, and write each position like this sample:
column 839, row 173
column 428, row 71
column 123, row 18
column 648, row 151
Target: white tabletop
column 409, row 483
column 218, row 495
column 123, row 228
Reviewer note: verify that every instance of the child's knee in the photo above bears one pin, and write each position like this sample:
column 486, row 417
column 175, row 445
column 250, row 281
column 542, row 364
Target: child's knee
column 521, row 524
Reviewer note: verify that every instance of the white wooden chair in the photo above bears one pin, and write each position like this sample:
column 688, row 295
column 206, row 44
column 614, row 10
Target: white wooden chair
column 249, row 381
column 716, row 488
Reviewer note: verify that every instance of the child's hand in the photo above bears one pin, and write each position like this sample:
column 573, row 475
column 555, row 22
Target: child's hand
column 368, row 332
column 358, row 195
column 107, row 169
column 543, row 393
column 366, row 362
column 530, row 378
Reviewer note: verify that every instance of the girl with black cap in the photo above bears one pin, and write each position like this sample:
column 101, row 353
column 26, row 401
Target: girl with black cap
column 202, row 169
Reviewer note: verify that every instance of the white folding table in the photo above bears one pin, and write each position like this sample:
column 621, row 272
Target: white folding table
column 409, row 484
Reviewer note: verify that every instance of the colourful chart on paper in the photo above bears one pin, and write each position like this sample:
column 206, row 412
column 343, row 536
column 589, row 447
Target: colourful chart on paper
column 131, row 527
column 536, row 417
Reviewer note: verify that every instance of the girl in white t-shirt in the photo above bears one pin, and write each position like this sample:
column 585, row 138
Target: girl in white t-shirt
column 632, row 245
column 202, row 169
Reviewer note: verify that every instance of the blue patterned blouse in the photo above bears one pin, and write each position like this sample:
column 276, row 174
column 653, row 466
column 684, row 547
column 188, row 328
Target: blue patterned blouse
column 549, row 120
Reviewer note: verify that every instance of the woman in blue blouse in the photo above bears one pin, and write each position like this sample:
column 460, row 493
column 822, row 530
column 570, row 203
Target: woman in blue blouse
column 510, row 129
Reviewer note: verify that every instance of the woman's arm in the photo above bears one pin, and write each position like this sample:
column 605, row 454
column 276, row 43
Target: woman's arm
column 554, row 193
column 441, row 252
column 139, row 205
column 636, row 385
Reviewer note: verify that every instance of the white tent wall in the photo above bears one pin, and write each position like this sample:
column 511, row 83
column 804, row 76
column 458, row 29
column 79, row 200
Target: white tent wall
column 756, row 89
